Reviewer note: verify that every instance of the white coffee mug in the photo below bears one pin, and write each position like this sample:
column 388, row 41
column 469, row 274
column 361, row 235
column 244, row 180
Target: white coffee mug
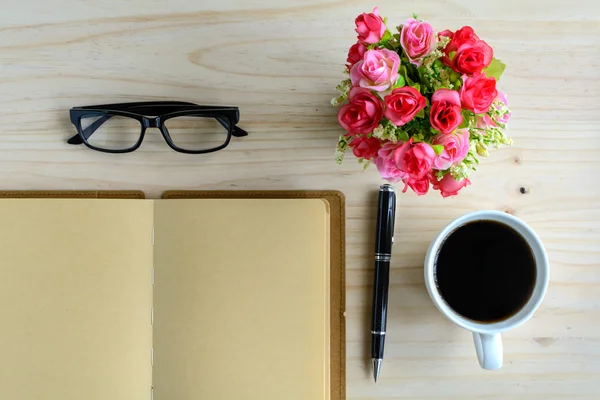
column 488, row 343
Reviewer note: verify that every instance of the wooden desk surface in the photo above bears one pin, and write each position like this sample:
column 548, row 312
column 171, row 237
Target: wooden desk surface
column 279, row 61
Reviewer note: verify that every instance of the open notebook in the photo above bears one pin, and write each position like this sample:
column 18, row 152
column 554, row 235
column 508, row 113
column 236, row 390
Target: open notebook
column 204, row 297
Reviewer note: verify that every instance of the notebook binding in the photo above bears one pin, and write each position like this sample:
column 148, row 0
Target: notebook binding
column 152, row 320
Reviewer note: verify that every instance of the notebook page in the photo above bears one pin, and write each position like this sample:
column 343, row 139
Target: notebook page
column 241, row 299
column 75, row 299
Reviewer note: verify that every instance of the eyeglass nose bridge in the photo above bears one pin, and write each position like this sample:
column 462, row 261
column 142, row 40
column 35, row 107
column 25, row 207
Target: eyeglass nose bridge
column 151, row 122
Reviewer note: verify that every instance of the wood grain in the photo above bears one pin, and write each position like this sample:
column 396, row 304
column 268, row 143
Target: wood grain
column 279, row 62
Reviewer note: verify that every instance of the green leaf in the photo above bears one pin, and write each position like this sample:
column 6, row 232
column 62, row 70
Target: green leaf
column 468, row 119
column 451, row 55
column 423, row 75
column 495, row 69
column 454, row 76
column 399, row 83
column 438, row 148
column 464, row 124
column 388, row 45
column 421, row 114
column 386, row 36
column 416, row 86
column 415, row 16
column 404, row 73
column 402, row 135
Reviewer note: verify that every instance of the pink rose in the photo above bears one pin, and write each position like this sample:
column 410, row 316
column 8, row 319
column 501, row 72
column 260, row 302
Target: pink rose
column 501, row 98
column 472, row 58
column 456, row 147
column 419, row 186
column 448, row 186
column 370, row 27
column 417, row 161
column 362, row 114
column 377, row 71
column 445, row 114
column 484, row 121
column 399, row 161
column 387, row 161
column 403, row 104
column 477, row 93
column 417, row 40
column 366, row 148
column 355, row 54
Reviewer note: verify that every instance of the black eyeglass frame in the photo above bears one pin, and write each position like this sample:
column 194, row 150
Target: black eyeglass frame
column 153, row 115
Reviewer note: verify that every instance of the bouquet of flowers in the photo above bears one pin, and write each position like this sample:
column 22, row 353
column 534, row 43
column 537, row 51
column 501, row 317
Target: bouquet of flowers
column 422, row 106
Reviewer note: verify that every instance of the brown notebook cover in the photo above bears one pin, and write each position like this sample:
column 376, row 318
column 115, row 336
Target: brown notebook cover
column 336, row 204
column 68, row 194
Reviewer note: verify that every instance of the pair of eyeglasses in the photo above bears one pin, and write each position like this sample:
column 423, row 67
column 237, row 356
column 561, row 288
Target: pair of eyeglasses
column 186, row 127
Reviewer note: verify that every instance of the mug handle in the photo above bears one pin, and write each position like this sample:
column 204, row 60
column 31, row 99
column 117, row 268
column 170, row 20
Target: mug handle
column 489, row 350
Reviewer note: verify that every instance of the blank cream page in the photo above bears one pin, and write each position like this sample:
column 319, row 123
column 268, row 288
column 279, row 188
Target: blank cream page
column 75, row 299
column 241, row 299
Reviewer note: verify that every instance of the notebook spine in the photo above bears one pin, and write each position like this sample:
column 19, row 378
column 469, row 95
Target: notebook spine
column 152, row 321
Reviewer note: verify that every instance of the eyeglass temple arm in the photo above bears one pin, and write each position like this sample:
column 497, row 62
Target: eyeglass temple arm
column 89, row 131
column 237, row 131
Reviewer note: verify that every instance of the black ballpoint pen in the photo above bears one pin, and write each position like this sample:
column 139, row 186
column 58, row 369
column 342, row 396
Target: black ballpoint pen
column 386, row 213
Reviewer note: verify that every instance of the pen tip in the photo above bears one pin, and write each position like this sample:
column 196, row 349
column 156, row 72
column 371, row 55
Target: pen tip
column 376, row 368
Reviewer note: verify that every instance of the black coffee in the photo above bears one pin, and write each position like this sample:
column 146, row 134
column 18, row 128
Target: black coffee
column 485, row 271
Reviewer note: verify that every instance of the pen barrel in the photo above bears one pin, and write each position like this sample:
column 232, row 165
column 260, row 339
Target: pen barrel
column 377, row 343
column 380, row 301
column 385, row 223
column 380, row 296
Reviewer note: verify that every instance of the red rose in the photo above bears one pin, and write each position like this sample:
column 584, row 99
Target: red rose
column 403, row 104
column 417, row 161
column 370, row 27
column 355, row 54
column 448, row 186
column 446, row 33
column 366, row 148
column 445, row 114
column 477, row 93
column 419, row 186
column 466, row 34
column 362, row 114
column 472, row 58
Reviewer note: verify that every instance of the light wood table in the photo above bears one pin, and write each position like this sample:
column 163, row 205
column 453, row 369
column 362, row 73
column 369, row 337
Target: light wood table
column 279, row 61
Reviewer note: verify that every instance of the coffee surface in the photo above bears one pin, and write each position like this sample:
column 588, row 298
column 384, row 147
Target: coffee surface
column 485, row 271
